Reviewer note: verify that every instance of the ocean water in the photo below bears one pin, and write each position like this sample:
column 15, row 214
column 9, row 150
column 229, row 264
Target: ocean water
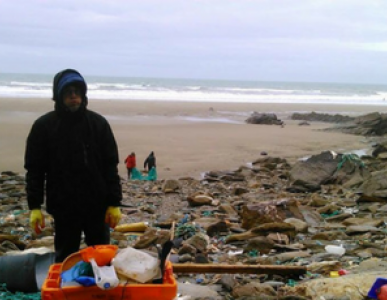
column 126, row 88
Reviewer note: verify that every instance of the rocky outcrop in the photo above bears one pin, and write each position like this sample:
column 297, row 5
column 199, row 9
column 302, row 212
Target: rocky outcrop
column 318, row 117
column 309, row 175
column 375, row 185
column 373, row 124
column 324, row 168
column 264, row 118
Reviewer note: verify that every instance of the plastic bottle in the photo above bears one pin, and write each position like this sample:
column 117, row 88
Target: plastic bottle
column 338, row 250
column 105, row 277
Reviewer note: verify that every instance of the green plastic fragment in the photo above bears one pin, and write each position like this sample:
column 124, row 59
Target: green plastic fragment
column 292, row 283
column 253, row 253
column 335, row 213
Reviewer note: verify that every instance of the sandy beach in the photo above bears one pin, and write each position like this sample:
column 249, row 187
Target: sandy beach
column 189, row 138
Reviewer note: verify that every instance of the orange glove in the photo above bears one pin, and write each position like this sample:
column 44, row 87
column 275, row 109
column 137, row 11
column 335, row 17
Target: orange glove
column 37, row 220
column 113, row 216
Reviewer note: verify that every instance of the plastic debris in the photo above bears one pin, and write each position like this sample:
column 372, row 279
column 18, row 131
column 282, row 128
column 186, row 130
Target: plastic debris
column 7, row 295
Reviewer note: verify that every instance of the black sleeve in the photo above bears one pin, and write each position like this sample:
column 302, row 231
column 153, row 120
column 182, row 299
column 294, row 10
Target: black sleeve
column 111, row 160
column 145, row 162
column 35, row 162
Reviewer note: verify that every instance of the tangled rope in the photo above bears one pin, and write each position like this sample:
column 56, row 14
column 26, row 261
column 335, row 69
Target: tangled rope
column 352, row 158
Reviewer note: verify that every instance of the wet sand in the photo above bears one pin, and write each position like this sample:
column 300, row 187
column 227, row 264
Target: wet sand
column 189, row 138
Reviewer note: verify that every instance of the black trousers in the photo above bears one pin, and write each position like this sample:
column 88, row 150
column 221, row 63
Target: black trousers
column 69, row 228
column 129, row 172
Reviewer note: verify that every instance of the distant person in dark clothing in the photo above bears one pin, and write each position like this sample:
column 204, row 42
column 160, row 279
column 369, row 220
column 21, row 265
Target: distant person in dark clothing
column 150, row 161
column 71, row 160
column 130, row 162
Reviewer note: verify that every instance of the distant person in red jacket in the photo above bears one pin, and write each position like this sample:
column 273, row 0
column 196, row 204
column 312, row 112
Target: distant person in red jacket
column 130, row 163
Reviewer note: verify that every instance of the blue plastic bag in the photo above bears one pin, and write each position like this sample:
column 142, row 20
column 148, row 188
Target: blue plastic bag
column 80, row 269
column 86, row 280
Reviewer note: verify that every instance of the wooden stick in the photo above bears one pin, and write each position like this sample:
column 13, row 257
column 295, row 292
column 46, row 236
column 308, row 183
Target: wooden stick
column 172, row 231
column 238, row 269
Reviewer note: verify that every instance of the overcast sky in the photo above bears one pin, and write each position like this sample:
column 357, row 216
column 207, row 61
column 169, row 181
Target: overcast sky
column 277, row 40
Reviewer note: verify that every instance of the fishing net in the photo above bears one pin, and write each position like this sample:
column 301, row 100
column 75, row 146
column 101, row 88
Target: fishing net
column 7, row 295
column 137, row 175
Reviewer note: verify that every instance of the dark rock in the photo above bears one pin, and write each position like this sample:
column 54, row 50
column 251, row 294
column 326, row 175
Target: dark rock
column 185, row 258
column 263, row 118
column 375, row 185
column 309, row 175
column 218, row 228
column 313, row 116
column 228, row 282
column 201, row 258
column 303, row 123
column 186, row 248
column 262, row 244
column 372, row 124
column 269, row 212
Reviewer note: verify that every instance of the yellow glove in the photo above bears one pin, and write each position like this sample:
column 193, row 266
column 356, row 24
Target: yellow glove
column 113, row 216
column 37, row 220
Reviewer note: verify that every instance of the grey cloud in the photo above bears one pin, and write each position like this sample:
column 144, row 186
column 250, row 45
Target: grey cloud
column 241, row 39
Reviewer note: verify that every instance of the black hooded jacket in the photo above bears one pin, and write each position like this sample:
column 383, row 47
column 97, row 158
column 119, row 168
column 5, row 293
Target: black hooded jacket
column 150, row 161
column 74, row 156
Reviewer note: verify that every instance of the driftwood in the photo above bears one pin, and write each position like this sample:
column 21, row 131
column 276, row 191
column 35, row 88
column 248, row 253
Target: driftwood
column 172, row 235
column 238, row 269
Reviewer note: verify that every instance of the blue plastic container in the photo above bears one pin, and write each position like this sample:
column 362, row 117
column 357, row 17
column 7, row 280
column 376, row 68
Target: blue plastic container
column 379, row 282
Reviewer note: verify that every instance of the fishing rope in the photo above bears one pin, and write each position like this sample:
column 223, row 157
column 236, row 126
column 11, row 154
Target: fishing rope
column 350, row 157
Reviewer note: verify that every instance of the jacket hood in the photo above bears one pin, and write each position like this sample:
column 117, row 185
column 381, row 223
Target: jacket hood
column 62, row 80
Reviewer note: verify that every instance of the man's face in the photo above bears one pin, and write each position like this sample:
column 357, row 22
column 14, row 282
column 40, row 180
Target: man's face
column 72, row 97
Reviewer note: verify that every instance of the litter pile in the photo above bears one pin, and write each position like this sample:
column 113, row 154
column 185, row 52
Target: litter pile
column 268, row 231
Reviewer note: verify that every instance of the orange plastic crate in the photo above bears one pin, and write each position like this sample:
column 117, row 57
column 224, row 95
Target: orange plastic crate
column 51, row 289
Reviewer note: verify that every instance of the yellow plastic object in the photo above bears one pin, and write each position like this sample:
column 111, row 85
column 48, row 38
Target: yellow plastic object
column 132, row 227
column 334, row 274
column 37, row 220
column 113, row 216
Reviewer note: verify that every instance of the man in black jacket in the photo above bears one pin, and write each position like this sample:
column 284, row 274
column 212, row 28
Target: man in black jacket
column 150, row 161
column 71, row 160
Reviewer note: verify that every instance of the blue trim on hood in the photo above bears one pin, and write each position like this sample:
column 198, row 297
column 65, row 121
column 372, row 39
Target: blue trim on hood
column 69, row 78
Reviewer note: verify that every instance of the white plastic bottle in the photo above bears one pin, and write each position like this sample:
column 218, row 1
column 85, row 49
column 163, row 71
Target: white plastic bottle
column 105, row 277
column 337, row 250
